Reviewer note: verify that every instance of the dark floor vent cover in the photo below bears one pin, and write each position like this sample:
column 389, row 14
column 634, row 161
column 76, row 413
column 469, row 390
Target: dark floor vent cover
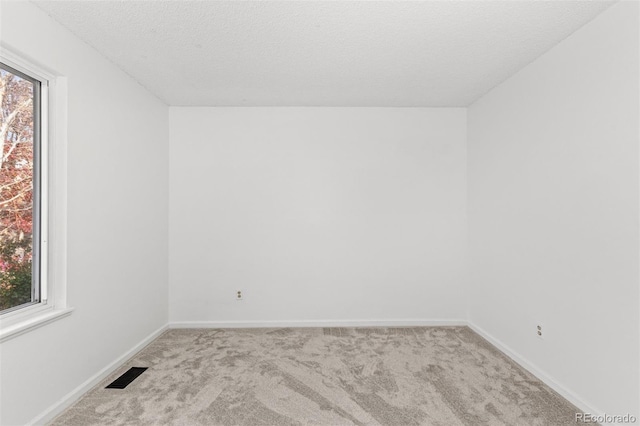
column 128, row 377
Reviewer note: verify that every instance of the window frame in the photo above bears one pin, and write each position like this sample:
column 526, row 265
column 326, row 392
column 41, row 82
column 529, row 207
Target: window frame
column 52, row 201
column 39, row 209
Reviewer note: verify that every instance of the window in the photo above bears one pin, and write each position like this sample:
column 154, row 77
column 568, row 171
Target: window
column 32, row 196
column 21, row 248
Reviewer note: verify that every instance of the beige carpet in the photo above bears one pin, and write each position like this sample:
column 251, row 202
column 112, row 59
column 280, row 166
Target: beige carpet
column 332, row 376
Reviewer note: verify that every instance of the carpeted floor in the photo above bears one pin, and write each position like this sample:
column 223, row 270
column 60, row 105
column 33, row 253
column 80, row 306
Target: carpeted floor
column 333, row 376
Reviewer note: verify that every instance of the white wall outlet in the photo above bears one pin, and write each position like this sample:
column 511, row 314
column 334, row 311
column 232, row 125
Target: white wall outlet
column 539, row 331
column 239, row 295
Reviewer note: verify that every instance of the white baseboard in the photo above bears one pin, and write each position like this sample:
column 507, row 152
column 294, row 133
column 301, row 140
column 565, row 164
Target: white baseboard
column 531, row 368
column 57, row 408
column 318, row 323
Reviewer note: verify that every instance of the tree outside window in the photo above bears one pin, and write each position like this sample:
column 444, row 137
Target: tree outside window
column 16, row 190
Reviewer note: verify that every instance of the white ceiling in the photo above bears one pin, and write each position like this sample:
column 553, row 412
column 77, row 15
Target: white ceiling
column 322, row 53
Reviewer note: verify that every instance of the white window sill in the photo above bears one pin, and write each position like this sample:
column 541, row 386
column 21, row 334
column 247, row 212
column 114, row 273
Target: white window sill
column 32, row 323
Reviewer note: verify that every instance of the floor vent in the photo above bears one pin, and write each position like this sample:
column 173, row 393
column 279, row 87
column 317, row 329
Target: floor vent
column 128, row 377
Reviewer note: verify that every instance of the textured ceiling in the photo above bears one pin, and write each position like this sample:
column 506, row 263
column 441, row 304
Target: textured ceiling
column 322, row 53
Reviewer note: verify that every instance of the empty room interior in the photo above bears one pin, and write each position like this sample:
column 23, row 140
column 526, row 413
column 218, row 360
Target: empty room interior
column 319, row 212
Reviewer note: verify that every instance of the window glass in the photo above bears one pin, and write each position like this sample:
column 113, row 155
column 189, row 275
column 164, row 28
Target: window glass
column 19, row 189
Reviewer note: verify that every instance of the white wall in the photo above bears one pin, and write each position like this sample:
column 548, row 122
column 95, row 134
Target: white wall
column 553, row 207
column 117, row 221
column 337, row 214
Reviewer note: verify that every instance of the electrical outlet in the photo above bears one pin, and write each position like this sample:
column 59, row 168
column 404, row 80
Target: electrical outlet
column 539, row 331
column 239, row 295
